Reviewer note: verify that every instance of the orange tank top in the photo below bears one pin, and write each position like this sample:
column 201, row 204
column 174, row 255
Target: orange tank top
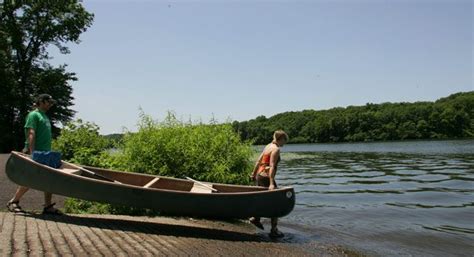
column 264, row 163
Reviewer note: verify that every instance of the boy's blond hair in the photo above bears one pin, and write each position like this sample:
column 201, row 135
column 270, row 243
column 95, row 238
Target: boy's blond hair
column 277, row 135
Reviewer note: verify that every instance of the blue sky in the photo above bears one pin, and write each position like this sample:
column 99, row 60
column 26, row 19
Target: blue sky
column 241, row 59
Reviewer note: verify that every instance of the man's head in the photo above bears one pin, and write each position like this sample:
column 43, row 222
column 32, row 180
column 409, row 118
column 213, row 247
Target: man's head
column 44, row 102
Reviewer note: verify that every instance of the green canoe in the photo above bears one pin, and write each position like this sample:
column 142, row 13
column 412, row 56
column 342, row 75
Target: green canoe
column 168, row 195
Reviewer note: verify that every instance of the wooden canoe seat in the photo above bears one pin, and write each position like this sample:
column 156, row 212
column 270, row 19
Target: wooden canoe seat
column 200, row 189
column 71, row 171
column 153, row 181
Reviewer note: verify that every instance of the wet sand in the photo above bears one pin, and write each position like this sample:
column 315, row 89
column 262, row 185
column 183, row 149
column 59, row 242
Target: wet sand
column 35, row 234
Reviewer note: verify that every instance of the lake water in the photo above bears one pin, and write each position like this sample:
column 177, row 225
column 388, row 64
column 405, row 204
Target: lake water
column 391, row 198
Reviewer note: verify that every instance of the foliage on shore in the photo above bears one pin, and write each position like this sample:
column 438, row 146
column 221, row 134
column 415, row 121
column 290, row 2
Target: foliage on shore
column 447, row 118
column 80, row 142
column 209, row 152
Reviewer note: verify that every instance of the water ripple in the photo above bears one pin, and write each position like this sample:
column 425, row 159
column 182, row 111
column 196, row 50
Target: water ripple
column 450, row 229
column 422, row 193
column 425, row 206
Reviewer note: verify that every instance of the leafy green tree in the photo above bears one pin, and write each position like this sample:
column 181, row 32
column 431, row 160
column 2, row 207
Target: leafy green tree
column 423, row 129
column 27, row 29
column 407, row 130
column 449, row 117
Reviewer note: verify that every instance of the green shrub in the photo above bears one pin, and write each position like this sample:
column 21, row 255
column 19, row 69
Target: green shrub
column 210, row 152
column 80, row 142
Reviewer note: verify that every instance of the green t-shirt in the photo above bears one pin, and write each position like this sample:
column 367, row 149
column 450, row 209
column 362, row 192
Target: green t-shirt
column 38, row 121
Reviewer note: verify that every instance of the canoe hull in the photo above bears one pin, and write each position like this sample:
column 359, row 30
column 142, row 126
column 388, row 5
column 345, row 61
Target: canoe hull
column 274, row 203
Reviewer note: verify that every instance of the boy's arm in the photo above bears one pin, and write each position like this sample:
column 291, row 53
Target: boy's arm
column 273, row 163
column 255, row 168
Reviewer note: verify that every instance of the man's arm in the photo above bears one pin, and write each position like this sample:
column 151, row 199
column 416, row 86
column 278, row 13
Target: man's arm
column 31, row 140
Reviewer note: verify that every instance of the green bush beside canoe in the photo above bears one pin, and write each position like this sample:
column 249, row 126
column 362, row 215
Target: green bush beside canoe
column 208, row 152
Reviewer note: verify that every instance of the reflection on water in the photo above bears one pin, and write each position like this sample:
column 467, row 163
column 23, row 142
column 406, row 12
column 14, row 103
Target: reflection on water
column 387, row 196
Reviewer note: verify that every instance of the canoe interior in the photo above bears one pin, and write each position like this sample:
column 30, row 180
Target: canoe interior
column 158, row 182
column 150, row 181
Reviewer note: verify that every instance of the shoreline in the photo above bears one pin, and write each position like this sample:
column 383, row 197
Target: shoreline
column 350, row 232
column 381, row 141
column 203, row 236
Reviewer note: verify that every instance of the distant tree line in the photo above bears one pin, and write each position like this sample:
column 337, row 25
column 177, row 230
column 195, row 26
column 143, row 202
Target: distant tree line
column 447, row 118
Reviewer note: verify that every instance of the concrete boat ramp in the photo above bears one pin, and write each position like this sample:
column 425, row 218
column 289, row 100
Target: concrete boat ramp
column 32, row 234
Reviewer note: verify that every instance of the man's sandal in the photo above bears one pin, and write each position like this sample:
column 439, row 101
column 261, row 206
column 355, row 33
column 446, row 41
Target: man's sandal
column 51, row 210
column 14, row 207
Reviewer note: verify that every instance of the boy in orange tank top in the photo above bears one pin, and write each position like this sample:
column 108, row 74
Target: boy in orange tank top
column 264, row 174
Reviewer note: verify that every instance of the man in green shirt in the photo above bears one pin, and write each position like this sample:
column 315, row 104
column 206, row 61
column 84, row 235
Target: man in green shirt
column 38, row 138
